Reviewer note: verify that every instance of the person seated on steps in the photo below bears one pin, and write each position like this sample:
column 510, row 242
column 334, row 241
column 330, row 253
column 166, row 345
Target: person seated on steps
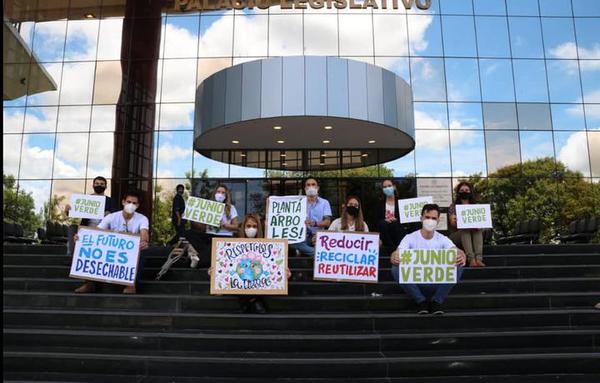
column 428, row 297
column 352, row 217
column 124, row 221
column 252, row 228
column 471, row 240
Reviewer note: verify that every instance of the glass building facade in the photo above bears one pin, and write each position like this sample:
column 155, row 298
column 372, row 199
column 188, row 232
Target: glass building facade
column 495, row 83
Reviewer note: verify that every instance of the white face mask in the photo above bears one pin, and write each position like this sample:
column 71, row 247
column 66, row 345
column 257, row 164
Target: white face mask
column 130, row 208
column 312, row 191
column 429, row 224
column 220, row 197
column 251, row 232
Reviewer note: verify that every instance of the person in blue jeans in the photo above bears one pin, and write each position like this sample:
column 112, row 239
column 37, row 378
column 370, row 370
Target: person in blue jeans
column 318, row 216
column 428, row 297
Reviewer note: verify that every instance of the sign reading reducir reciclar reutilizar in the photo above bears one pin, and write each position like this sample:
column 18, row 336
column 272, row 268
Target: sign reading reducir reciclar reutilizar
column 347, row 256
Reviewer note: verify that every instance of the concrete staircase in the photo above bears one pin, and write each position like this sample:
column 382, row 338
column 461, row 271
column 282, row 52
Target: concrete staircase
column 527, row 317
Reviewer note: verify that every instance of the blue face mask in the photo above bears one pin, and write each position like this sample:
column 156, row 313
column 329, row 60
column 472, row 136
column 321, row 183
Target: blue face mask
column 388, row 191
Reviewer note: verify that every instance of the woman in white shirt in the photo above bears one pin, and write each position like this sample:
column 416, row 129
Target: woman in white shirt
column 229, row 222
column 352, row 217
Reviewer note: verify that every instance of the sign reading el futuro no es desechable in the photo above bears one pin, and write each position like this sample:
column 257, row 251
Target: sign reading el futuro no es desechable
column 346, row 256
column 476, row 216
column 204, row 211
column 105, row 256
column 427, row 266
column 286, row 218
column 87, row 206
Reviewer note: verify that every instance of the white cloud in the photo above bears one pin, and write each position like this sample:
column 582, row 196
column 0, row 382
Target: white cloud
column 574, row 154
column 569, row 51
column 170, row 152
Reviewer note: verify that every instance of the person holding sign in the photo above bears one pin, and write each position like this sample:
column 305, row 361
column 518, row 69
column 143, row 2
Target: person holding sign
column 352, row 217
column 318, row 216
column 124, row 221
column 252, row 228
column 471, row 240
column 99, row 184
column 229, row 222
column 427, row 238
column 391, row 231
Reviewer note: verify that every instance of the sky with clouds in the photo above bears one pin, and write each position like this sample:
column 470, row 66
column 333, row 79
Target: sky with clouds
column 69, row 131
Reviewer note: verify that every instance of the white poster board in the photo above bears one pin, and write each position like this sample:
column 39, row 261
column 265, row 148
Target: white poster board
column 427, row 266
column 410, row 208
column 105, row 256
column 204, row 211
column 87, row 206
column 476, row 216
column 286, row 218
column 346, row 256
column 439, row 188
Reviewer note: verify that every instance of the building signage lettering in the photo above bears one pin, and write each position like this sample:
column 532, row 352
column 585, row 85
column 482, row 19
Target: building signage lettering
column 205, row 5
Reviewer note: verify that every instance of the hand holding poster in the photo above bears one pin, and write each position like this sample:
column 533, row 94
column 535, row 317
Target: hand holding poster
column 473, row 216
column 426, row 266
column 105, row 256
column 410, row 208
column 204, row 211
column 249, row 266
column 286, row 217
column 347, row 256
column 87, row 206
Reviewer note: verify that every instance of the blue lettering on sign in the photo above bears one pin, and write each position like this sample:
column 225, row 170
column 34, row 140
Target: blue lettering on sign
column 105, row 270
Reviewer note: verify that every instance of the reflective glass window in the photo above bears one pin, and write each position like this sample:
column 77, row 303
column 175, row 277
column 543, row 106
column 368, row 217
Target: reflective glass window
column 563, row 81
column 462, row 76
column 465, row 115
column 536, row 145
column 526, row 37
column 568, row 117
column 459, row 36
column 500, row 116
column 37, row 154
column 496, row 80
column 559, row 38
column 425, row 36
column 534, row 116
column 572, row 151
column 522, row 7
column 468, row 153
column 530, row 80
column 285, row 35
column 428, row 80
column 492, row 37
column 356, row 35
column 502, row 149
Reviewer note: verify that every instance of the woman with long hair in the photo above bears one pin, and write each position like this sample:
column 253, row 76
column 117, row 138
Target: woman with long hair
column 229, row 222
column 352, row 217
column 471, row 240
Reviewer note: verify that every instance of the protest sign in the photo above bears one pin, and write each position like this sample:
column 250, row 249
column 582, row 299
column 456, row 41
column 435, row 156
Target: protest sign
column 473, row 216
column 204, row 211
column 105, row 256
column 346, row 256
column 87, row 206
column 410, row 208
column 249, row 266
column 286, row 218
column 427, row 266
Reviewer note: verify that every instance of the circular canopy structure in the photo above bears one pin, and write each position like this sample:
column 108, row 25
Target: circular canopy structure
column 304, row 113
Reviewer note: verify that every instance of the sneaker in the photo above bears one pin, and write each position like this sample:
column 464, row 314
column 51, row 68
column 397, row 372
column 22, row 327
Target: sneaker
column 87, row 287
column 436, row 308
column 423, row 308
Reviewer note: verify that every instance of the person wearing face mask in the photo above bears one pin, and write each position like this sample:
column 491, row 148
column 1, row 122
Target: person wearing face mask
column 318, row 216
column 428, row 297
column 471, row 240
column 177, row 213
column 391, row 231
column 124, row 221
column 252, row 228
column 229, row 222
column 99, row 186
column 352, row 217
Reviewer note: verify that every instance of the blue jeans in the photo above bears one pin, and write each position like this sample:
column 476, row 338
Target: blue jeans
column 304, row 247
column 421, row 292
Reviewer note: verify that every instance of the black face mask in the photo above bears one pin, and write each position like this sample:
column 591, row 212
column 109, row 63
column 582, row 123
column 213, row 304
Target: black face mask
column 352, row 210
column 465, row 195
column 179, row 192
column 99, row 189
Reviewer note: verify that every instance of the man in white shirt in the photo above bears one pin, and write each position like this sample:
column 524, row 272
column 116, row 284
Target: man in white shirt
column 427, row 238
column 124, row 221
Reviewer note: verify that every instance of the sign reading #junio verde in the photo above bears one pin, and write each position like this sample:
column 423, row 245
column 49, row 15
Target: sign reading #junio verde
column 249, row 266
column 346, row 256
column 204, row 211
column 286, row 218
column 87, row 206
column 477, row 216
column 426, row 266
column 105, row 256
column 410, row 208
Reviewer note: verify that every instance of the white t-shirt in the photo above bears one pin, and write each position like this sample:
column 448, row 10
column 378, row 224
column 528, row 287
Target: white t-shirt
column 336, row 225
column 415, row 240
column 224, row 220
column 116, row 222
